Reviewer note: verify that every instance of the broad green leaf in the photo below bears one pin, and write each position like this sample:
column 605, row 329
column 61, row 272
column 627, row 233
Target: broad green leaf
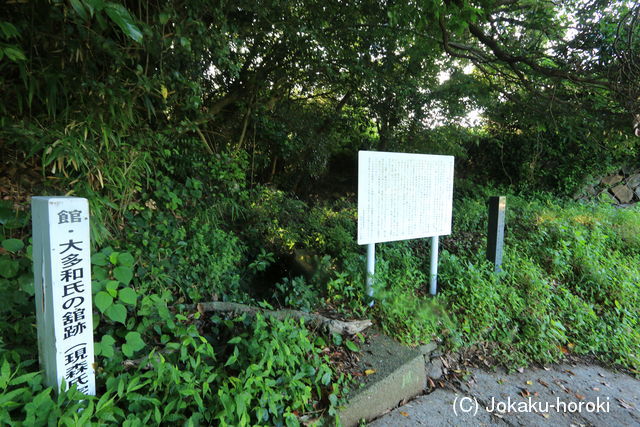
column 94, row 5
column 133, row 344
column 126, row 259
column 128, row 296
column 127, row 350
column 337, row 339
column 135, row 340
column 351, row 346
column 103, row 301
column 164, row 17
column 24, row 378
column 113, row 258
column 123, row 274
column 8, row 267
column 9, row 30
column 6, row 397
column 233, row 358
column 79, row 8
column 15, row 54
column 5, row 373
column 107, row 251
column 120, row 388
column 96, row 286
column 121, row 16
column 96, row 321
column 333, row 398
column 112, row 287
column 87, row 413
column 157, row 416
column 241, row 403
column 99, row 273
column 13, row 245
column 99, row 259
column 97, row 348
column 104, row 403
column 26, row 284
column 107, row 344
column 235, row 340
column 117, row 313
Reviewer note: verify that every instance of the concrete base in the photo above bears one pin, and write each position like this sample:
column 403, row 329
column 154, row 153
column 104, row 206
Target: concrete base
column 404, row 383
column 387, row 388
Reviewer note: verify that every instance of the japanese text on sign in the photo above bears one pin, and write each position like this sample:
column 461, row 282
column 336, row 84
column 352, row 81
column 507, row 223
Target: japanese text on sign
column 403, row 196
column 63, row 290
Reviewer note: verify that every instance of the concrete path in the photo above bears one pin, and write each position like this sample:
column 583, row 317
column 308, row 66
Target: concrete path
column 564, row 395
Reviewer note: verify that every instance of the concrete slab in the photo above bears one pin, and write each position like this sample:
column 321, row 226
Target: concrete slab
column 398, row 374
column 406, row 382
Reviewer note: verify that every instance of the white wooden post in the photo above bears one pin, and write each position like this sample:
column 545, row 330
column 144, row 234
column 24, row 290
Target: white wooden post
column 62, row 278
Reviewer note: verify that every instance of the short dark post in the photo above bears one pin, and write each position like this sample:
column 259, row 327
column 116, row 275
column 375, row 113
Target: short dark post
column 495, row 236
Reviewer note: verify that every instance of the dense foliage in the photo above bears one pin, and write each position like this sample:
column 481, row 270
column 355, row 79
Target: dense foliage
column 570, row 283
column 216, row 143
column 101, row 94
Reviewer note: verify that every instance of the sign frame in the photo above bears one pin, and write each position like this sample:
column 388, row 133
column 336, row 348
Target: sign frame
column 422, row 209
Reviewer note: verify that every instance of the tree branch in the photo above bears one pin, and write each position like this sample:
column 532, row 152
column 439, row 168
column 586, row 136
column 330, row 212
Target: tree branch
column 504, row 56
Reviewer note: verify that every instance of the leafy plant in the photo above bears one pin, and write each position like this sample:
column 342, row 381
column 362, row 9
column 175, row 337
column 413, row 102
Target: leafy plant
column 17, row 314
column 182, row 250
column 297, row 293
column 112, row 273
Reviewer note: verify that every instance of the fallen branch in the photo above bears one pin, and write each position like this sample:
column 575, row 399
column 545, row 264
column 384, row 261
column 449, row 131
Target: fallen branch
column 315, row 320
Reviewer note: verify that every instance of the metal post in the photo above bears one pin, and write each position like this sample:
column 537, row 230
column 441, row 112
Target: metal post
column 433, row 283
column 371, row 269
column 495, row 236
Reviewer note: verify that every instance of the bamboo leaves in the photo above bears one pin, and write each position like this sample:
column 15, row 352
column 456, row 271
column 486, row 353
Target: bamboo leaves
column 121, row 16
column 115, row 11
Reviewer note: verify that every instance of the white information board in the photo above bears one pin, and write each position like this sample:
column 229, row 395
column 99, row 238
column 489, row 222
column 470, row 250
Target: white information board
column 62, row 279
column 403, row 196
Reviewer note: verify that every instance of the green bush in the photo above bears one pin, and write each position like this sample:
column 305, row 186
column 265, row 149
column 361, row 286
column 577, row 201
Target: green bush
column 273, row 374
column 346, row 290
column 181, row 245
column 17, row 311
column 570, row 283
column 185, row 369
column 401, row 285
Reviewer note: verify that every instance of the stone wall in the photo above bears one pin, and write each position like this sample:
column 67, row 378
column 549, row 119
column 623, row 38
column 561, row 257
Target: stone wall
column 621, row 188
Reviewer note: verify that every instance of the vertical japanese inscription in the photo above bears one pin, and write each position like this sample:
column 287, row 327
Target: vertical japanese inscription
column 403, row 196
column 63, row 290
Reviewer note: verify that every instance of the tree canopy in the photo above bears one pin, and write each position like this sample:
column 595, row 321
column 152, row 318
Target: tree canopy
column 293, row 84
